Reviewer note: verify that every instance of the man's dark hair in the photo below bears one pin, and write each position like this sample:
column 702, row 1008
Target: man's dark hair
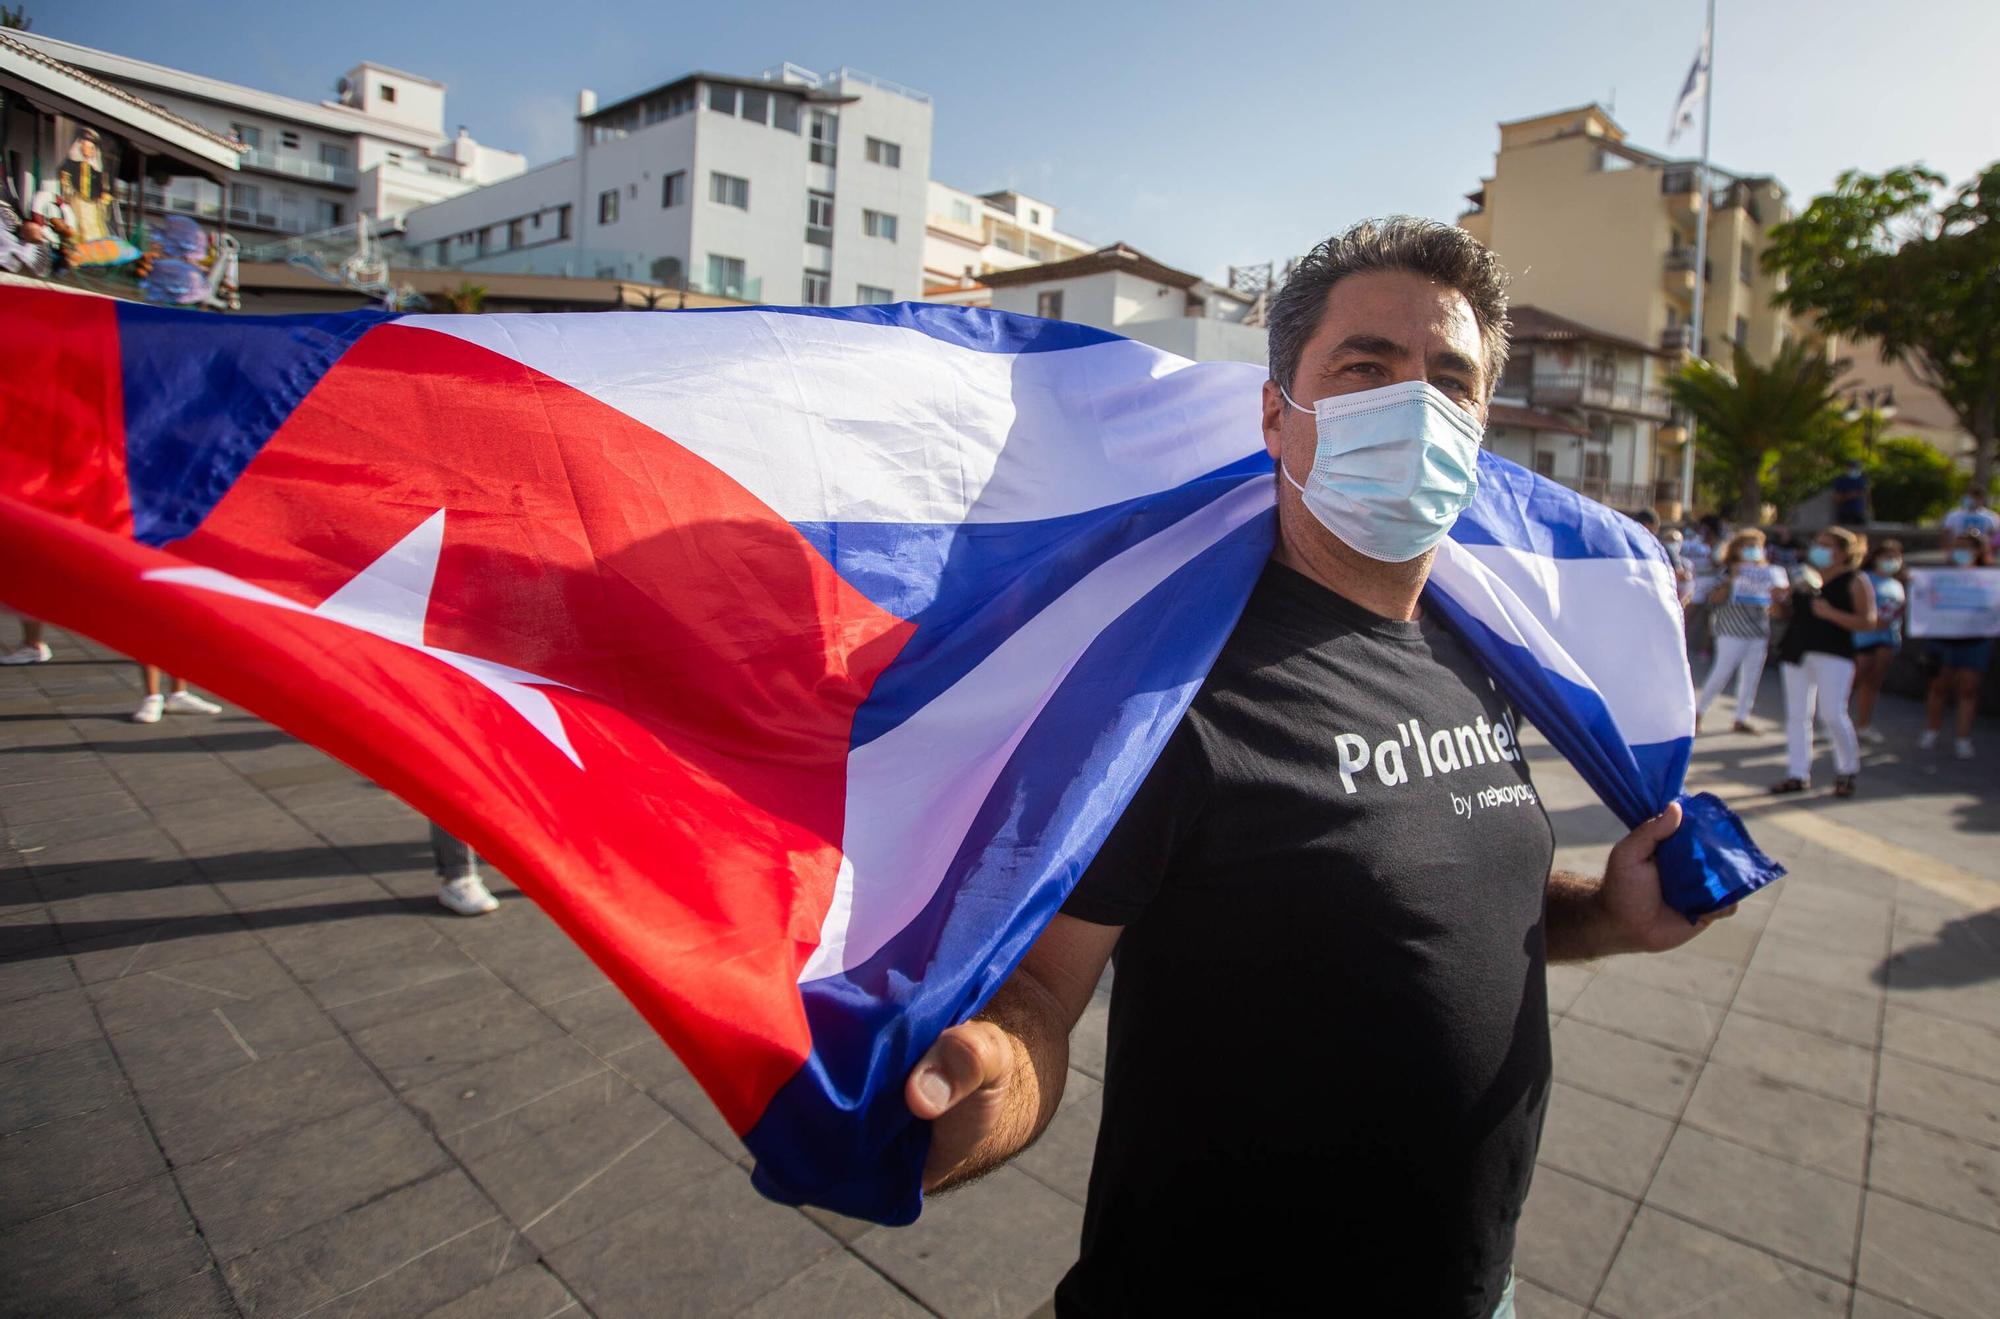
column 1647, row 518
column 1434, row 250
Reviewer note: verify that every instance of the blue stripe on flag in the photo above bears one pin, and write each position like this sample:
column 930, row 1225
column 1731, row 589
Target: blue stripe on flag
column 838, row 1134
column 1519, row 510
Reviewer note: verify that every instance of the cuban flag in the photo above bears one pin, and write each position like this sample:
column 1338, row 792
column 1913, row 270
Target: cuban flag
column 795, row 661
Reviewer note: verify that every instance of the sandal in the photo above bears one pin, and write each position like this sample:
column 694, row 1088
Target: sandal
column 1790, row 785
column 1743, row 726
column 1843, row 785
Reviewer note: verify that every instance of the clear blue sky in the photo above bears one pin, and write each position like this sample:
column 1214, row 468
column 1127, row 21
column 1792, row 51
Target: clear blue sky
column 1203, row 133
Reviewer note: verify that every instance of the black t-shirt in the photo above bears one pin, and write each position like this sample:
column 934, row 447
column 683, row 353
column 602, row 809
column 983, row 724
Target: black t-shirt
column 1328, row 1053
column 1807, row 631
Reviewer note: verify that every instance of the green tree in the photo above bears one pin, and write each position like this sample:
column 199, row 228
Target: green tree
column 1910, row 481
column 1764, row 432
column 1879, row 258
column 15, row 18
column 467, row 297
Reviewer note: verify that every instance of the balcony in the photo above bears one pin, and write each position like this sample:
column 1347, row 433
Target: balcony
column 298, row 167
column 1623, row 494
column 1677, row 339
column 1677, row 272
column 1578, row 389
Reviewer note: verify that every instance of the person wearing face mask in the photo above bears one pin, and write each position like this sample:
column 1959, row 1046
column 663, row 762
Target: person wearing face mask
column 1971, row 518
column 1828, row 606
column 1328, row 1051
column 1960, row 662
column 1740, row 613
column 1875, row 652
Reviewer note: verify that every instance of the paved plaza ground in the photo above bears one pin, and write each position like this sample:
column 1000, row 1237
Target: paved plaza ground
column 247, row 1066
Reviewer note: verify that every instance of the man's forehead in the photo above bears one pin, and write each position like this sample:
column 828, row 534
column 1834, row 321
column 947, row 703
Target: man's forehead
column 1402, row 307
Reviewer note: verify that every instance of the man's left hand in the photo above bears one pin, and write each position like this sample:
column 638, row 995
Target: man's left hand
column 1634, row 915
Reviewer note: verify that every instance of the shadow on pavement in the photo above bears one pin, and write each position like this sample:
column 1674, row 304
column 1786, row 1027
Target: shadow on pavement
column 250, row 739
column 99, row 936
column 1966, row 951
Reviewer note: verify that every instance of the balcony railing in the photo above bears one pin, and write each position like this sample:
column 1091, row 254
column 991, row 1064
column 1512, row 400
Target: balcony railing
column 298, row 167
column 1623, row 494
column 1681, row 258
column 1677, row 338
column 1577, row 387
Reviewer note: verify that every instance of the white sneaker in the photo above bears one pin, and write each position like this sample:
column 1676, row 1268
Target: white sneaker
column 467, row 896
column 189, row 703
column 39, row 653
column 1927, row 740
column 150, row 710
column 1961, row 749
column 1870, row 736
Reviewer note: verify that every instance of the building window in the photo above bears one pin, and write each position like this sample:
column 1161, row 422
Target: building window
column 1746, row 263
column 1545, row 463
column 1034, row 216
column 517, row 233
column 329, row 214
column 674, row 188
column 562, row 222
column 721, row 99
column 879, row 224
column 1000, row 241
column 818, row 288
column 961, row 212
column 243, row 199
column 1035, row 252
column 1742, row 332
column 819, row 218
column 443, row 250
column 725, row 275
column 785, row 113
column 607, row 206
column 884, row 153
column 1049, row 304
column 867, row 294
column 728, row 190
column 756, row 106
column 388, row 93
column 824, row 130
column 333, row 155
column 249, row 135
column 1596, row 466
column 288, row 140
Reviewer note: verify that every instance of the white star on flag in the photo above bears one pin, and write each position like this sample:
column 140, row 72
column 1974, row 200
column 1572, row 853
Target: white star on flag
column 390, row 599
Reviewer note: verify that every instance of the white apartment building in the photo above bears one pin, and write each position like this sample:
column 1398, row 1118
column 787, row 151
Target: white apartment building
column 378, row 151
column 791, row 187
column 967, row 235
column 1123, row 290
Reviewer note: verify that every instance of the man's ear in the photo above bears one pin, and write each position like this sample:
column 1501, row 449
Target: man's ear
column 1274, row 413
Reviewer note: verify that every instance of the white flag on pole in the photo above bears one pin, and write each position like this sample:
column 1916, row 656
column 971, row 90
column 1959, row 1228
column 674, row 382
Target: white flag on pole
column 1691, row 91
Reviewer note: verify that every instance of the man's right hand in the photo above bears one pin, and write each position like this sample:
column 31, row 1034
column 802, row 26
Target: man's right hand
column 964, row 1087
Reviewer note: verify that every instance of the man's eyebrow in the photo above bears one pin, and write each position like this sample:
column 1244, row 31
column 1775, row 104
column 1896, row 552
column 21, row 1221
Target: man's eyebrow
column 1452, row 360
column 1370, row 345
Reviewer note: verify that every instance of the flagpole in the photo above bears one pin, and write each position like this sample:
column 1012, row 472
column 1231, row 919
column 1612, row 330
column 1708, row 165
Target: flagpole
column 1700, row 247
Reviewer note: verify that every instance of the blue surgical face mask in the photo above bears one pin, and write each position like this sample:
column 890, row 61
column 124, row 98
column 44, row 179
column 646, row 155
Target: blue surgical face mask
column 1963, row 558
column 1393, row 469
column 1819, row 556
column 1752, row 554
column 1888, row 567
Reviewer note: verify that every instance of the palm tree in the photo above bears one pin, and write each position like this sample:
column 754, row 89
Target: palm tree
column 1749, row 419
column 467, row 297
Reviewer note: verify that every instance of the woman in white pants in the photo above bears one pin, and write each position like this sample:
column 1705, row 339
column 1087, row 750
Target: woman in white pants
column 1740, row 617
column 1829, row 605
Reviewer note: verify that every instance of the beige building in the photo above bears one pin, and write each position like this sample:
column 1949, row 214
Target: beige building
column 1594, row 228
column 966, row 235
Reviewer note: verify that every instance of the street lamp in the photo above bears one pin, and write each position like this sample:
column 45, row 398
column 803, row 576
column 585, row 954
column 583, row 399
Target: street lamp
column 1872, row 408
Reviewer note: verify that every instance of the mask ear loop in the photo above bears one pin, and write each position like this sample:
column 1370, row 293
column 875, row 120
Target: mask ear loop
column 1282, row 470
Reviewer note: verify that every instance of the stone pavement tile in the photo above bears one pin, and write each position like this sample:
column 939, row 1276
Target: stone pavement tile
column 1671, row 1019
column 708, row 1247
column 90, row 1257
column 23, row 782
column 423, row 996
column 489, row 1092
column 838, row 1287
column 845, row 1229
column 686, row 1100
column 1648, row 1076
column 551, row 973
column 199, row 1119
column 1809, row 1129
column 428, row 1045
column 202, row 1296
column 1732, row 940
column 1851, row 1017
column 559, row 1105
column 650, row 1065
column 130, row 952
column 1874, row 1307
column 1791, row 1211
column 252, row 1196
column 1859, row 930
column 101, row 914
column 1088, row 1040
column 176, row 1052
column 1061, row 1159
column 1928, row 1261
column 396, row 965
column 1667, row 1267
column 1797, row 1057
column 1679, row 972
column 1568, row 1232
column 994, row 1249
column 130, row 842
column 33, row 974
column 48, row 1021
column 1942, row 1042
column 1532, row 1302
column 1601, row 1140
column 59, row 807
column 356, row 922
column 1948, row 1101
column 47, row 1167
column 603, row 1020
column 77, row 1078
column 1942, row 1172
column 1850, row 973
column 27, row 930
column 529, row 1292
column 572, row 1179
column 186, row 988
column 127, row 875
column 1566, row 981
column 1947, row 984
column 407, row 1252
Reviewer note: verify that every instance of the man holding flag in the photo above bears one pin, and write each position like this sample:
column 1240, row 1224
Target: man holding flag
column 1331, row 900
